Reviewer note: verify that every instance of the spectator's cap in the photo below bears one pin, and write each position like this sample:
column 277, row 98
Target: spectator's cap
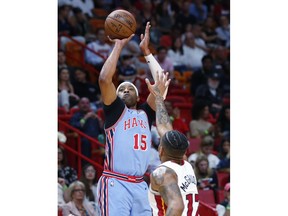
column 214, row 75
column 126, row 82
column 227, row 187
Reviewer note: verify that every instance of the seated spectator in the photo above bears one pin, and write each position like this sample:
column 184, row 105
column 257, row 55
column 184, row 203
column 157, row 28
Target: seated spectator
column 89, row 179
column 211, row 93
column 126, row 70
column 99, row 46
column 206, row 148
column 193, row 54
column 223, row 31
column 84, row 88
column 62, row 64
column 223, row 121
column 176, row 54
column 66, row 96
column 183, row 17
column 86, row 7
column 199, row 125
column 209, row 34
column 89, row 123
column 223, row 209
column 206, row 177
column 224, row 156
column 165, row 16
column 178, row 123
column 65, row 172
column 199, row 77
column 198, row 10
column 78, row 205
column 164, row 61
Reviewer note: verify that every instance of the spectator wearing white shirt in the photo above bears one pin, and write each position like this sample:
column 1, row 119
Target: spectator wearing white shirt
column 99, row 46
column 192, row 52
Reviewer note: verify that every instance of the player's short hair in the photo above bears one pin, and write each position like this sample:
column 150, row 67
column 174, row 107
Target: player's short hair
column 175, row 143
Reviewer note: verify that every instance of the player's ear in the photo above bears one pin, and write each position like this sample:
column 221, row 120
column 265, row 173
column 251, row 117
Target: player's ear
column 138, row 98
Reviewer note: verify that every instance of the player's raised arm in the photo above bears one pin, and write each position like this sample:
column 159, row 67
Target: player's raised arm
column 108, row 89
column 162, row 118
column 164, row 180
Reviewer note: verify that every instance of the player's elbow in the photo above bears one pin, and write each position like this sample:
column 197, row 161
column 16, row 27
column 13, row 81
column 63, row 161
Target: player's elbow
column 104, row 78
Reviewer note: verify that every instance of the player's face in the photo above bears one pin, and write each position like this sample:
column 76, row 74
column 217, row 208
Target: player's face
column 128, row 94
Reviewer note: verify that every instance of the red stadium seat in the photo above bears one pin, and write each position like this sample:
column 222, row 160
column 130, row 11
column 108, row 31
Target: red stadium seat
column 175, row 99
column 223, row 178
column 207, row 196
column 194, row 146
column 61, row 111
column 220, row 196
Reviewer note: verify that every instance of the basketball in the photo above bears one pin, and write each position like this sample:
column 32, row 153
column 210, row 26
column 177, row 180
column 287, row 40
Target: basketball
column 120, row 24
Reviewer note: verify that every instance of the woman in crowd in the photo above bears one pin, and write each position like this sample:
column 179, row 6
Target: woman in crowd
column 66, row 96
column 78, row 206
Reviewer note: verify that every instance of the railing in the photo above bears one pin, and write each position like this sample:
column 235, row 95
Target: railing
column 77, row 152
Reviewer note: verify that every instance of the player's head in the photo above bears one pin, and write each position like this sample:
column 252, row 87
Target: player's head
column 128, row 92
column 173, row 144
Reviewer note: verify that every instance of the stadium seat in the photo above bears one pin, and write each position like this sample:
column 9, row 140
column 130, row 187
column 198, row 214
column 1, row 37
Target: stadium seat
column 74, row 110
column 223, row 178
column 96, row 24
column 207, row 196
column 61, row 111
column 74, row 54
column 220, row 196
column 100, row 13
column 175, row 98
column 194, row 146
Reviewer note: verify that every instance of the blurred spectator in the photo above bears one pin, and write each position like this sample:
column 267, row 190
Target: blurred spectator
column 164, row 61
column 209, row 34
column 198, row 10
column 178, row 123
column 206, row 148
column 165, row 16
column 193, row 54
column 199, row 77
column 88, row 177
column 64, row 171
column 211, row 93
column 66, row 96
column 184, row 17
column 223, row 121
column 86, row 6
column 223, row 209
column 223, row 31
column 78, row 205
column 146, row 12
column 224, row 155
column 155, row 32
column 99, row 46
column 176, row 54
column 81, row 23
column 84, row 88
column 196, row 30
column 199, row 126
column 126, row 69
column 89, row 123
column 206, row 177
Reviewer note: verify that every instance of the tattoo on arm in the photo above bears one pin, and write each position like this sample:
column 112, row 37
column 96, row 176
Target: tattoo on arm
column 161, row 112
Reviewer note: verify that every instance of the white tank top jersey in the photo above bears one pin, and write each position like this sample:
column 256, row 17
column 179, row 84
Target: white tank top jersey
column 188, row 187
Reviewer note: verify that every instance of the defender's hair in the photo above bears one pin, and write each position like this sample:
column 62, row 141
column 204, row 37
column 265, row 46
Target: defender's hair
column 175, row 142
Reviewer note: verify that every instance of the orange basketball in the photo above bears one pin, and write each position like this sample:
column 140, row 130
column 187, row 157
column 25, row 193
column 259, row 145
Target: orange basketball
column 120, row 24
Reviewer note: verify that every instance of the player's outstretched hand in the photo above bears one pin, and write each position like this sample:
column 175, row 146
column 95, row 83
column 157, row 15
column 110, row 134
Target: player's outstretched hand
column 145, row 39
column 161, row 84
column 121, row 42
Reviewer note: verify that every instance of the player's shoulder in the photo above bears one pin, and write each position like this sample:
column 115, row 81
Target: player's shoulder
column 160, row 173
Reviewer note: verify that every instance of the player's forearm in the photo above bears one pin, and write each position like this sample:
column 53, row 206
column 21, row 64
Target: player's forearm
column 109, row 67
column 162, row 118
column 154, row 66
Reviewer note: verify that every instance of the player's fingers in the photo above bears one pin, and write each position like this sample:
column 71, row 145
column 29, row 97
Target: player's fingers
column 131, row 37
column 141, row 36
column 111, row 40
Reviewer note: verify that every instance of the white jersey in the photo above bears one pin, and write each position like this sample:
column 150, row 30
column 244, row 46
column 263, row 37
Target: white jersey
column 188, row 187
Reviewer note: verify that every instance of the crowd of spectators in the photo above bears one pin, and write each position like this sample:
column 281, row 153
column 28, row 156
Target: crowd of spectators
column 186, row 36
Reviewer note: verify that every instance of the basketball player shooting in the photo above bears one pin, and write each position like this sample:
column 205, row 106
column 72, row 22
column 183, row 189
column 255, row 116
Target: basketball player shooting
column 122, row 190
